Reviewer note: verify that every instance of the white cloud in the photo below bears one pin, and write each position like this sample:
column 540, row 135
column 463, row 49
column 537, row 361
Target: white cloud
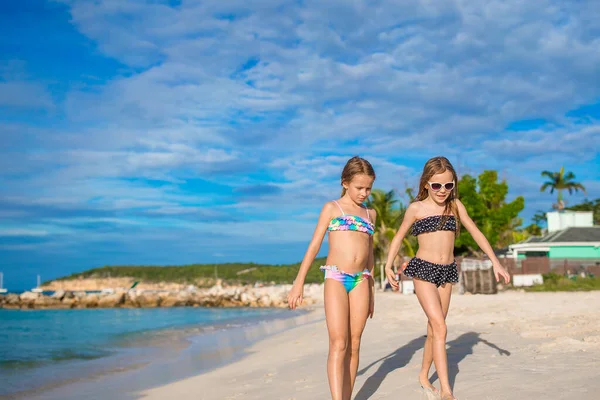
column 469, row 68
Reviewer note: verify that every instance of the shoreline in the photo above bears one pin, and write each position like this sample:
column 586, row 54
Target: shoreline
column 500, row 347
column 163, row 358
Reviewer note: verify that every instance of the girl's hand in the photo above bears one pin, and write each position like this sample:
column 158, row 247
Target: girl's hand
column 404, row 265
column 295, row 296
column 391, row 277
column 499, row 271
column 372, row 303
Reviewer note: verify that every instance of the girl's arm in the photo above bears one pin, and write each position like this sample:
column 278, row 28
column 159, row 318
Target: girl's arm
column 371, row 262
column 371, row 267
column 482, row 242
column 409, row 218
column 296, row 293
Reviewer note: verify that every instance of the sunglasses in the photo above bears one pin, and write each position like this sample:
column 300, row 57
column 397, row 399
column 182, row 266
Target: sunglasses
column 436, row 187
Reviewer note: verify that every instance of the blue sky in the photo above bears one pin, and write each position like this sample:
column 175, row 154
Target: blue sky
column 172, row 132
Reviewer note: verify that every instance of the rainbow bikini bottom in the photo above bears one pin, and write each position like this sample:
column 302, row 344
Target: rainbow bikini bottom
column 350, row 281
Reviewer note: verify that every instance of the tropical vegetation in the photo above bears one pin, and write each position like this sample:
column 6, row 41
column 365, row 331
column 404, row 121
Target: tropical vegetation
column 558, row 283
column 560, row 181
column 484, row 198
column 205, row 275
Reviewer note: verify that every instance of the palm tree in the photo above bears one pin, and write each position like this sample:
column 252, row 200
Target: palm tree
column 560, row 181
column 388, row 221
column 539, row 218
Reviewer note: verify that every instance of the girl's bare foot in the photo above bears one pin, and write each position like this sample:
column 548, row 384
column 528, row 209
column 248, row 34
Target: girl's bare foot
column 426, row 385
column 448, row 396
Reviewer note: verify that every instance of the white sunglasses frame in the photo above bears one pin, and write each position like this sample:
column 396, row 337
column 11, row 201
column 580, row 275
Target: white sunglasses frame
column 443, row 186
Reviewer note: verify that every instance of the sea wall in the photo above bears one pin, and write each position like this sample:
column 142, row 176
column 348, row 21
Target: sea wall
column 217, row 296
column 90, row 284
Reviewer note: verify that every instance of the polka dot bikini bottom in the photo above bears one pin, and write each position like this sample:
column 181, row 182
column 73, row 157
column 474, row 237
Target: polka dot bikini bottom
column 437, row 274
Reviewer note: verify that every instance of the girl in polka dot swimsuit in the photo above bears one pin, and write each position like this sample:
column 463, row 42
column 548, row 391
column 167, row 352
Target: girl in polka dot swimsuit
column 349, row 297
column 435, row 218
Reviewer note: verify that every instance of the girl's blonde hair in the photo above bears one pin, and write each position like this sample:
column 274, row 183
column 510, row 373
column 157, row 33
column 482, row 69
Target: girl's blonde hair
column 355, row 166
column 434, row 166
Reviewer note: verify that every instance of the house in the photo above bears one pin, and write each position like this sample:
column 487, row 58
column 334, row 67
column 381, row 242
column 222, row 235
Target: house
column 571, row 236
column 572, row 242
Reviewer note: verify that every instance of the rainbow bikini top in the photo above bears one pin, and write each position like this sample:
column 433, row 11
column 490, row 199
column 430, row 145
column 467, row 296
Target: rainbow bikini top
column 351, row 223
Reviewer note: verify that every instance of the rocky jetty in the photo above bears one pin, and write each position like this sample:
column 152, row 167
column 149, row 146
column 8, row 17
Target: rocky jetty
column 90, row 284
column 217, row 296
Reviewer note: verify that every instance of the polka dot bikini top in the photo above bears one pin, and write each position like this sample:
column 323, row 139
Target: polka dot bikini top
column 432, row 224
column 351, row 223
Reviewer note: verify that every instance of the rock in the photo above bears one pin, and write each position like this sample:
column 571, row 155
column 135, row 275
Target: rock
column 307, row 301
column 265, row 301
column 12, row 299
column 111, row 300
column 216, row 290
column 278, row 302
column 59, row 294
column 170, row 301
column 69, row 302
column 199, row 299
column 148, row 300
column 229, row 302
column 213, row 301
column 247, row 298
column 46, row 302
column 29, row 297
column 130, row 299
column 88, row 301
column 179, row 299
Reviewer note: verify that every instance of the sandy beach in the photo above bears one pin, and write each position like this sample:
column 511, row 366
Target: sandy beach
column 513, row 345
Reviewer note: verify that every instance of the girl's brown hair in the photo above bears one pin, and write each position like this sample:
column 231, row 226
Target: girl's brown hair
column 355, row 166
column 434, row 166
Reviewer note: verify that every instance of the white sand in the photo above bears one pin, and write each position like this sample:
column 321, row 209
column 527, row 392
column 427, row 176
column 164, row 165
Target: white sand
column 508, row 346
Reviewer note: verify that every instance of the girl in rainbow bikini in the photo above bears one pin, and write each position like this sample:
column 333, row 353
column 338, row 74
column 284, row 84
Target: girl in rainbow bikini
column 349, row 292
column 435, row 218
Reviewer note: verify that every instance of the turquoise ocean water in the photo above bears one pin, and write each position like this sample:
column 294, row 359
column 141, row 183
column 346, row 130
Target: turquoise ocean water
column 44, row 349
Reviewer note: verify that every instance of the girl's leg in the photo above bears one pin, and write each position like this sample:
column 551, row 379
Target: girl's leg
column 359, row 299
column 431, row 302
column 336, row 316
column 445, row 293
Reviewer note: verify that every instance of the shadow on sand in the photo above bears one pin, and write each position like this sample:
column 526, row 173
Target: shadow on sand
column 457, row 350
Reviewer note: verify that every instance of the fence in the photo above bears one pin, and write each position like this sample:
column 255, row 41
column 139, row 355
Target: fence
column 477, row 275
column 543, row 265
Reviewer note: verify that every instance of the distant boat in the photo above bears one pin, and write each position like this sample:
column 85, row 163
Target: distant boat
column 37, row 289
column 2, row 290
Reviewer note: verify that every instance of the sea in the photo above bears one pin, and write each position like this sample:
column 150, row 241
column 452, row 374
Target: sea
column 67, row 352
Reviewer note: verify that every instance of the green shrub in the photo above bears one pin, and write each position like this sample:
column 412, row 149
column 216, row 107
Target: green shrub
column 558, row 283
column 551, row 278
column 205, row 274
